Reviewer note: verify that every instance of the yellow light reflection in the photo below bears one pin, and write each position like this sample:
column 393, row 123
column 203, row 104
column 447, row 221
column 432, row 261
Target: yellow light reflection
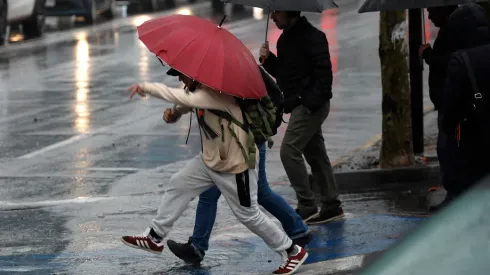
column 16, row 38
column 258, row 13
column 184, row 11
column 82, row 78
column 143, row 63
column 138, row 20
column 81, row 36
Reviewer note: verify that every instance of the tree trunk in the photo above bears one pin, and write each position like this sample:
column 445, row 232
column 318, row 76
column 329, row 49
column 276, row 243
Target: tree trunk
column 397, row 147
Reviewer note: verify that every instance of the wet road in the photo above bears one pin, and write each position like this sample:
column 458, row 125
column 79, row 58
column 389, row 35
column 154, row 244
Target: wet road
column 81, row 165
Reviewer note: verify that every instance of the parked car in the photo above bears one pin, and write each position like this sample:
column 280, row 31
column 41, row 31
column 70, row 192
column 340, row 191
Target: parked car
column 90, row 10
column 28, row 13
column 138, row 6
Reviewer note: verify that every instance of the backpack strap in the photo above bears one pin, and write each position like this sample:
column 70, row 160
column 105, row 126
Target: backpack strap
column 250, row 159
column 471, row 75
column 208, row 131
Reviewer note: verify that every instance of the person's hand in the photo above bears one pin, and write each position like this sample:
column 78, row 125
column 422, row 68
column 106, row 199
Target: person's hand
column 423, row 47
column 170, row 115
column 136, row 89
column 264, row 50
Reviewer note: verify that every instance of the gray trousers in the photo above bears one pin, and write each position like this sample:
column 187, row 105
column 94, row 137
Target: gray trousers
column 304, row 137
column 240, row 192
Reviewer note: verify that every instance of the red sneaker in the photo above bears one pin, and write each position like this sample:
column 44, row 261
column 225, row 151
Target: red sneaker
column 292, row 262
column 143, row 241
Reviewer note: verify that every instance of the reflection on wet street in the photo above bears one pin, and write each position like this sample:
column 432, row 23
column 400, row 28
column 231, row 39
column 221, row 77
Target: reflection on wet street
column 82, row 165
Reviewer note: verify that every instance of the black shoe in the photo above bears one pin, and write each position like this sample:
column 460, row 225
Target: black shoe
column 327, row 216
column 303, row 241
column 186, row 252
column 307, row 213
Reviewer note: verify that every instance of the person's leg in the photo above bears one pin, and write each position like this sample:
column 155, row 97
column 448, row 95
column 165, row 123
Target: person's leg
column 184, row 186
column 276, row 205
column 205, row 218
column 240, row 192
column 323, row 178
column 194, row 250
column 302, row 126
column 448, row 158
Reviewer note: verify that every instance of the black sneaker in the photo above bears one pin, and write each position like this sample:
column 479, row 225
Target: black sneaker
column 186, row 252
column 307, row 213
column 326, row 216
column 303, row 241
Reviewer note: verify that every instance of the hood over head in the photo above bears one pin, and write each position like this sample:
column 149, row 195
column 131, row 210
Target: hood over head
column 468, row 27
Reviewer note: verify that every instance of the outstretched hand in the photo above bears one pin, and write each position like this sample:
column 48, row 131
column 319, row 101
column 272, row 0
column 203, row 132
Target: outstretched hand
column 136, row 89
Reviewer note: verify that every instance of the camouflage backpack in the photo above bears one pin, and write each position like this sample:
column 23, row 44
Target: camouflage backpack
column 261, row 118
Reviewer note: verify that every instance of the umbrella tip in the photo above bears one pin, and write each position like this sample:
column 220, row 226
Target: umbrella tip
column 221, row 22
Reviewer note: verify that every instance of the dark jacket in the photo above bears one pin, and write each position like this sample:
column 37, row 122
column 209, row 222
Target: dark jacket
column 469, row 33
column 302, row 67
column 437, row 59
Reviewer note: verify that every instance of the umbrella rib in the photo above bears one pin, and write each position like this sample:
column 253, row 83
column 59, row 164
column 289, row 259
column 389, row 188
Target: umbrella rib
column 202, row 61
column 183, row 48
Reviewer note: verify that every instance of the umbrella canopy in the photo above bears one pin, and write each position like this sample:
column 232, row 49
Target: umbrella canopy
column 390, row 5
column 204, row 52
column 287, row 5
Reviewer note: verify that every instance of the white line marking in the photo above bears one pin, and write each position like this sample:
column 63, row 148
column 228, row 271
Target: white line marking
column 333, row 266
column 54, row 146
column 115, row 169
column 83, row 136
column 5, row 205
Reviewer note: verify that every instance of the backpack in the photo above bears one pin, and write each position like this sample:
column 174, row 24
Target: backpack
column 261, row 118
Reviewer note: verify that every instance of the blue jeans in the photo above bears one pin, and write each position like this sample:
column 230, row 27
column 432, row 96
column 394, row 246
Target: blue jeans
column 208, row 202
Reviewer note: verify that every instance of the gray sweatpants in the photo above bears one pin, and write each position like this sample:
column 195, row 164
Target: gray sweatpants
column 240, row 191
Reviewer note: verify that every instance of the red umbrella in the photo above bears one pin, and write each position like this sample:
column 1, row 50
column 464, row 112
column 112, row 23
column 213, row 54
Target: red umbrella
column 205, row 52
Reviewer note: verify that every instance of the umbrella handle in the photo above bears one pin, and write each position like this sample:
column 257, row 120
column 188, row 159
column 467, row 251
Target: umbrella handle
column 266, row 33
column 267, row 25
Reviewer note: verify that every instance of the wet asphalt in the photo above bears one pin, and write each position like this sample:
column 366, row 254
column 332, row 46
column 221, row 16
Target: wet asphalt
column 81, row 165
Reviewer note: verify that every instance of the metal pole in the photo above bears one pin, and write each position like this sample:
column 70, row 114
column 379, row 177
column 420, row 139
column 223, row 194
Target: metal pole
column 7, row 36
column 415, row 32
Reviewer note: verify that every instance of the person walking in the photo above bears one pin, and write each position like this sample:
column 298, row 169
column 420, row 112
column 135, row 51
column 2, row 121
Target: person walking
column 437, row 59
column 303, row 71
column 466, row 104
column 193, row 251
column 222, row 164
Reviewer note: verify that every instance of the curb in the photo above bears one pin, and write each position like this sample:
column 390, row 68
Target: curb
column 368, row 144
column 341, row 266
column 388, row 179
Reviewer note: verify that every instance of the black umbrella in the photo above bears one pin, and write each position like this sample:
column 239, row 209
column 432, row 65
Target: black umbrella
column 390, row 5
column 286, row 5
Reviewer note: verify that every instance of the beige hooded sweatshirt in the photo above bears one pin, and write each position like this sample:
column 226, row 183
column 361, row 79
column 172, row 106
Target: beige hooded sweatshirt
column 221, row 154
